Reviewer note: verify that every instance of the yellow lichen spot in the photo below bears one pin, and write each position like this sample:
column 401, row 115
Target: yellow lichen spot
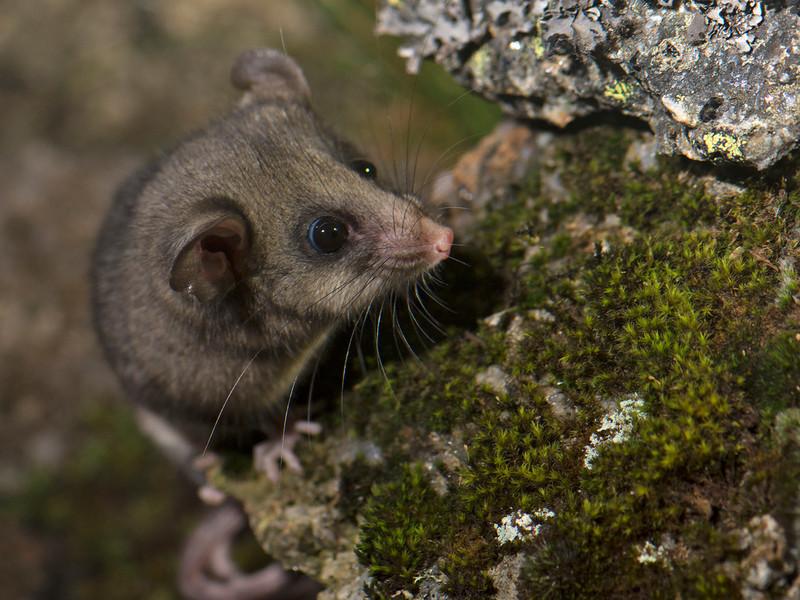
column 537, row 46
column 534, row 45
column 395, row 3
column 723, row 143
column 619, row 91
column 479, row 61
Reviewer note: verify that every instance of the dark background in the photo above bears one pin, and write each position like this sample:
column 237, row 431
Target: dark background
column 89, row 89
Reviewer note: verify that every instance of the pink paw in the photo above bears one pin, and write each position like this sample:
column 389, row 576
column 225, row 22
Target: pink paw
column 210, row 495
column 270, row 455
column 208, row 572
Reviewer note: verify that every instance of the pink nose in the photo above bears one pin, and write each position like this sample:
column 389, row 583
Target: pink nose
column 442, row 241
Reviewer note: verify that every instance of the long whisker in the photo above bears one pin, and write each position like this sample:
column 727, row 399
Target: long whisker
column 445, row 154
column 458, row 260
column 227, row 398
column 395, row 172
column 399, row 330
column 409, row 185
column 429, row 292
column 378, row 352
column 425, row 131
column 286, row 419
column 347, row 360
column 425, row 315
column 444, row 207
column 431, row 276
column 311, row 388
column 396, row 326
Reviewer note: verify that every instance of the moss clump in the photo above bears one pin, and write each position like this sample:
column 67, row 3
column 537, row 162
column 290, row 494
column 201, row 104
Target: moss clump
column 675, row 305
column 516, row 460
column 465, row 549
column 653, row 318
column 401, row 520
column 654, row 312
column 775, row 381
column 666, row 197
column 437, row 393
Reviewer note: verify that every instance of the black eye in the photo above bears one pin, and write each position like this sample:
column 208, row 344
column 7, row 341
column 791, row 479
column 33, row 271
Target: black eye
column 327, row 234
column 364, row 168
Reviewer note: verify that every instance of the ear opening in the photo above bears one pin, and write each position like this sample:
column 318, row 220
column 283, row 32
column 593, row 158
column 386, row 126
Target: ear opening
column 211, row 264
column 267, row 74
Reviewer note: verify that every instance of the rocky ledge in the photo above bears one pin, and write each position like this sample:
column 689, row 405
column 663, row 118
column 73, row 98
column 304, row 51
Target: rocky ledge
column 716, row 80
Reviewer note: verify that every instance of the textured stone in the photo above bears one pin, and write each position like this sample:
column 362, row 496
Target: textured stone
column 716, row 80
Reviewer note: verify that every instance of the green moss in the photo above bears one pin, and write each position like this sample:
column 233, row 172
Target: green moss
column 462, row 557
column 678, row 307
column 775, row 380
column 401, row 518
column 654, row 316
column 355, row 486
column 665, row 196
column 516, row 459
column 510, row 226
column 430, row 390
column 653, row 312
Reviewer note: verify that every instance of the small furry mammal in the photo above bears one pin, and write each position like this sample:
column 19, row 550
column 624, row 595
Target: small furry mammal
column 231, row 259
column 256, row 236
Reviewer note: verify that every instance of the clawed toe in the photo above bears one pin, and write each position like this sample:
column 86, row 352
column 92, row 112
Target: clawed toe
column 210, row 495
column 207, row 571
column 271, row 455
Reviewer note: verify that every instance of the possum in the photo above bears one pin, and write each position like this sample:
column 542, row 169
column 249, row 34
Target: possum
column 223, row 267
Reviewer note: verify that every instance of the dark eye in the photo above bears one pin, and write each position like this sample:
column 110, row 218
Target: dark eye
column 364, row 168
column 327, row 234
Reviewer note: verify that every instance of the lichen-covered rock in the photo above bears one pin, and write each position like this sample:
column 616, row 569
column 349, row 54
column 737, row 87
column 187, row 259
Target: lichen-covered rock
column 614, row 411
column 716, row 80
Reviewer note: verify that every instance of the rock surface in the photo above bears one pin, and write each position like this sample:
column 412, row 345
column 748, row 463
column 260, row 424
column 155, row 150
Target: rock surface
column 716, row 80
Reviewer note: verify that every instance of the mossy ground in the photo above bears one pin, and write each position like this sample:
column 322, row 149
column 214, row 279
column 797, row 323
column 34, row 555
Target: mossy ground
column 676, row 303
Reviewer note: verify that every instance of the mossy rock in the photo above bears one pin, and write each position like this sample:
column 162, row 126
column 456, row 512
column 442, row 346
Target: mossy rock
column 611, row 413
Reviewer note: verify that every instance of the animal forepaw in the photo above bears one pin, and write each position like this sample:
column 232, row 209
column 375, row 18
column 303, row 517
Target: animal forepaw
column 269, row 456
column 208, row 572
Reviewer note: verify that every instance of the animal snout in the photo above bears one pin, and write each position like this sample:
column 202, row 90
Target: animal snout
column 440, row 240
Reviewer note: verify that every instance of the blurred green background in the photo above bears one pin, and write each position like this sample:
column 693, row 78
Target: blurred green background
column 89, row 89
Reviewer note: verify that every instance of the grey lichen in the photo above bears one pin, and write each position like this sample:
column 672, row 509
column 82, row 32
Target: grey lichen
column 734, row 20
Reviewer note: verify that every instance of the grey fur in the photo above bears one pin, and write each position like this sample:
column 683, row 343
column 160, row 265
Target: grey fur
column 268, row 169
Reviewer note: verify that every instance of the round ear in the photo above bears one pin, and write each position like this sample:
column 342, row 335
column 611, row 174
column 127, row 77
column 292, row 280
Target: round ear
column 267, row 74
column 213, row 261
